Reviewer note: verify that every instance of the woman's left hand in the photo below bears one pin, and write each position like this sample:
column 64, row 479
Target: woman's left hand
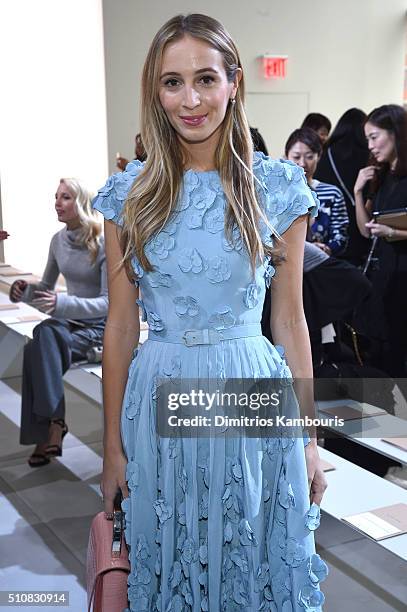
column 45, row 301
column 378, row 230
column 316, row 477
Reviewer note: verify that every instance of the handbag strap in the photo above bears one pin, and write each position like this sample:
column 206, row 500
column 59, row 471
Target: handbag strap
column 370, row 256
column 355, row 343
column 338, row 176
column 92, row 598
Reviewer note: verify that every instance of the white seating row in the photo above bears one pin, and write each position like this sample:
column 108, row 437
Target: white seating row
column 352, row 490
column 370, row 431
column 14, row 334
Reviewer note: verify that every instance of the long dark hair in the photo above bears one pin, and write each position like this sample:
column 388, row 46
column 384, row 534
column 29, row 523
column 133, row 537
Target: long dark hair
column 392, row 118
column 350, row 129
column 258, row 141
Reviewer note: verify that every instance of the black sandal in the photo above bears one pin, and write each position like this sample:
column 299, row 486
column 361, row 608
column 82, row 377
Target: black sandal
column 55, row 450
column 44, row 460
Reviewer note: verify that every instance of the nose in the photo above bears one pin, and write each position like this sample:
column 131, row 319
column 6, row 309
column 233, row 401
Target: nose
column 191, row 98
column 301, row 163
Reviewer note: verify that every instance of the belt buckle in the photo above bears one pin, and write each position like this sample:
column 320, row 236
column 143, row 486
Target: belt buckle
column 190, row 337
column 194, row 337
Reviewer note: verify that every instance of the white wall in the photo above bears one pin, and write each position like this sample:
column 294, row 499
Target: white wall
column 52, row 115
column 342, row 53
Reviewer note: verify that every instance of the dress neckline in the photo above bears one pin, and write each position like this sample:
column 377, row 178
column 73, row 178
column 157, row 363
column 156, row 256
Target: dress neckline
column 200, row 172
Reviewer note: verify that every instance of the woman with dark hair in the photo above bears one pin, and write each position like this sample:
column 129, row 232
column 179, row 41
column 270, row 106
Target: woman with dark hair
column 213, row 522
column 345, row 154
column 386, row 133
column 329, row 229
column 320, row 124
column 258, row 141
column 139, row 153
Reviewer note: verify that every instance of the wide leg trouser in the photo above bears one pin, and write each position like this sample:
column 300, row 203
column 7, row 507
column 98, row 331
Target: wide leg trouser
column 55, row 344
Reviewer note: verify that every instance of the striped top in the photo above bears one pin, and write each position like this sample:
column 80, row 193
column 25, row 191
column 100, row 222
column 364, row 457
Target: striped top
column 331, row 224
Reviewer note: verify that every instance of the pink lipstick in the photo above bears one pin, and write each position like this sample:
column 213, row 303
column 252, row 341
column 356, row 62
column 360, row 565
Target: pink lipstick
column 193, row 120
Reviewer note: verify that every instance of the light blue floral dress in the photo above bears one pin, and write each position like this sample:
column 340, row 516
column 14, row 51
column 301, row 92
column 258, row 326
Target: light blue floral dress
column 218, row 524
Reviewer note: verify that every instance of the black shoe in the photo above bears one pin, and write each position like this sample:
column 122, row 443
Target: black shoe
column 42, row 460
column 55, row 450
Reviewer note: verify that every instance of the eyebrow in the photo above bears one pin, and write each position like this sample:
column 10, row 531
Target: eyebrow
column 200, row 71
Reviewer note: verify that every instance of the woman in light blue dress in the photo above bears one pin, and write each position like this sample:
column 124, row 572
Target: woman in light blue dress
column 213, row 523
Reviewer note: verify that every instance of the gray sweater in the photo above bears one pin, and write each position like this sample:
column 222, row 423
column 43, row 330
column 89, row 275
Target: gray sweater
column 86, row 296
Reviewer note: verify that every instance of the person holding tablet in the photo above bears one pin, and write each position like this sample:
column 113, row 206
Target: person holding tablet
column 386, row 133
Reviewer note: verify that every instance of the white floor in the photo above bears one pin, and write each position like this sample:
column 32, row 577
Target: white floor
column 45, row 516
column 45, row 513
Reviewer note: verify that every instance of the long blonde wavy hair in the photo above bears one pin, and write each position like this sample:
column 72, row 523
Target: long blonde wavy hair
column 91, row 229
column 153, row 196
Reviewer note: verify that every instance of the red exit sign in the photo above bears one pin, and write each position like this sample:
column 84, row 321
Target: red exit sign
column 274, row 66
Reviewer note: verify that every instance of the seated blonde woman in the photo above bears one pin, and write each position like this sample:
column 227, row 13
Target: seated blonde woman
column 77, row 323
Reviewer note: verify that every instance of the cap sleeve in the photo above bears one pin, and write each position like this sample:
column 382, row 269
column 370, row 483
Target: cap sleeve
column 286, row 194
column 110, row 199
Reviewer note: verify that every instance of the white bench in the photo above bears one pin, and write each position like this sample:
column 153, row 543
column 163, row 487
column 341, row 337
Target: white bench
column 82, row 377
column 352, row 490
column 369, row 431
column 14, row 334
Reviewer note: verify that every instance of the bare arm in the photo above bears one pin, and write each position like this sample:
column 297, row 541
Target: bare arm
column 363, row 214
column 385, row 231
column 289, row 328
column 366, row 225
column 288, row 324
column 399, row 234
column 363, row 210
column 121, row 337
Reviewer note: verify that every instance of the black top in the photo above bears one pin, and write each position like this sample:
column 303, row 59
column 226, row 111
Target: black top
column 392, row 194
column 348, row 159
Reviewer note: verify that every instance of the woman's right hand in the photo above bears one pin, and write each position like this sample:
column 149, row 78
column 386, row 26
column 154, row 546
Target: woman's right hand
column 316, row 477
column 113, row 478
column 17, row 289
column 365, row 175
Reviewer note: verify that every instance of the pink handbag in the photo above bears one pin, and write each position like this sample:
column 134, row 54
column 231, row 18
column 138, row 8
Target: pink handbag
column 107, row 565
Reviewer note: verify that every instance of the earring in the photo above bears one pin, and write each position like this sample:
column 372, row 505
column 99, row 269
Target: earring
column 232, row 101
